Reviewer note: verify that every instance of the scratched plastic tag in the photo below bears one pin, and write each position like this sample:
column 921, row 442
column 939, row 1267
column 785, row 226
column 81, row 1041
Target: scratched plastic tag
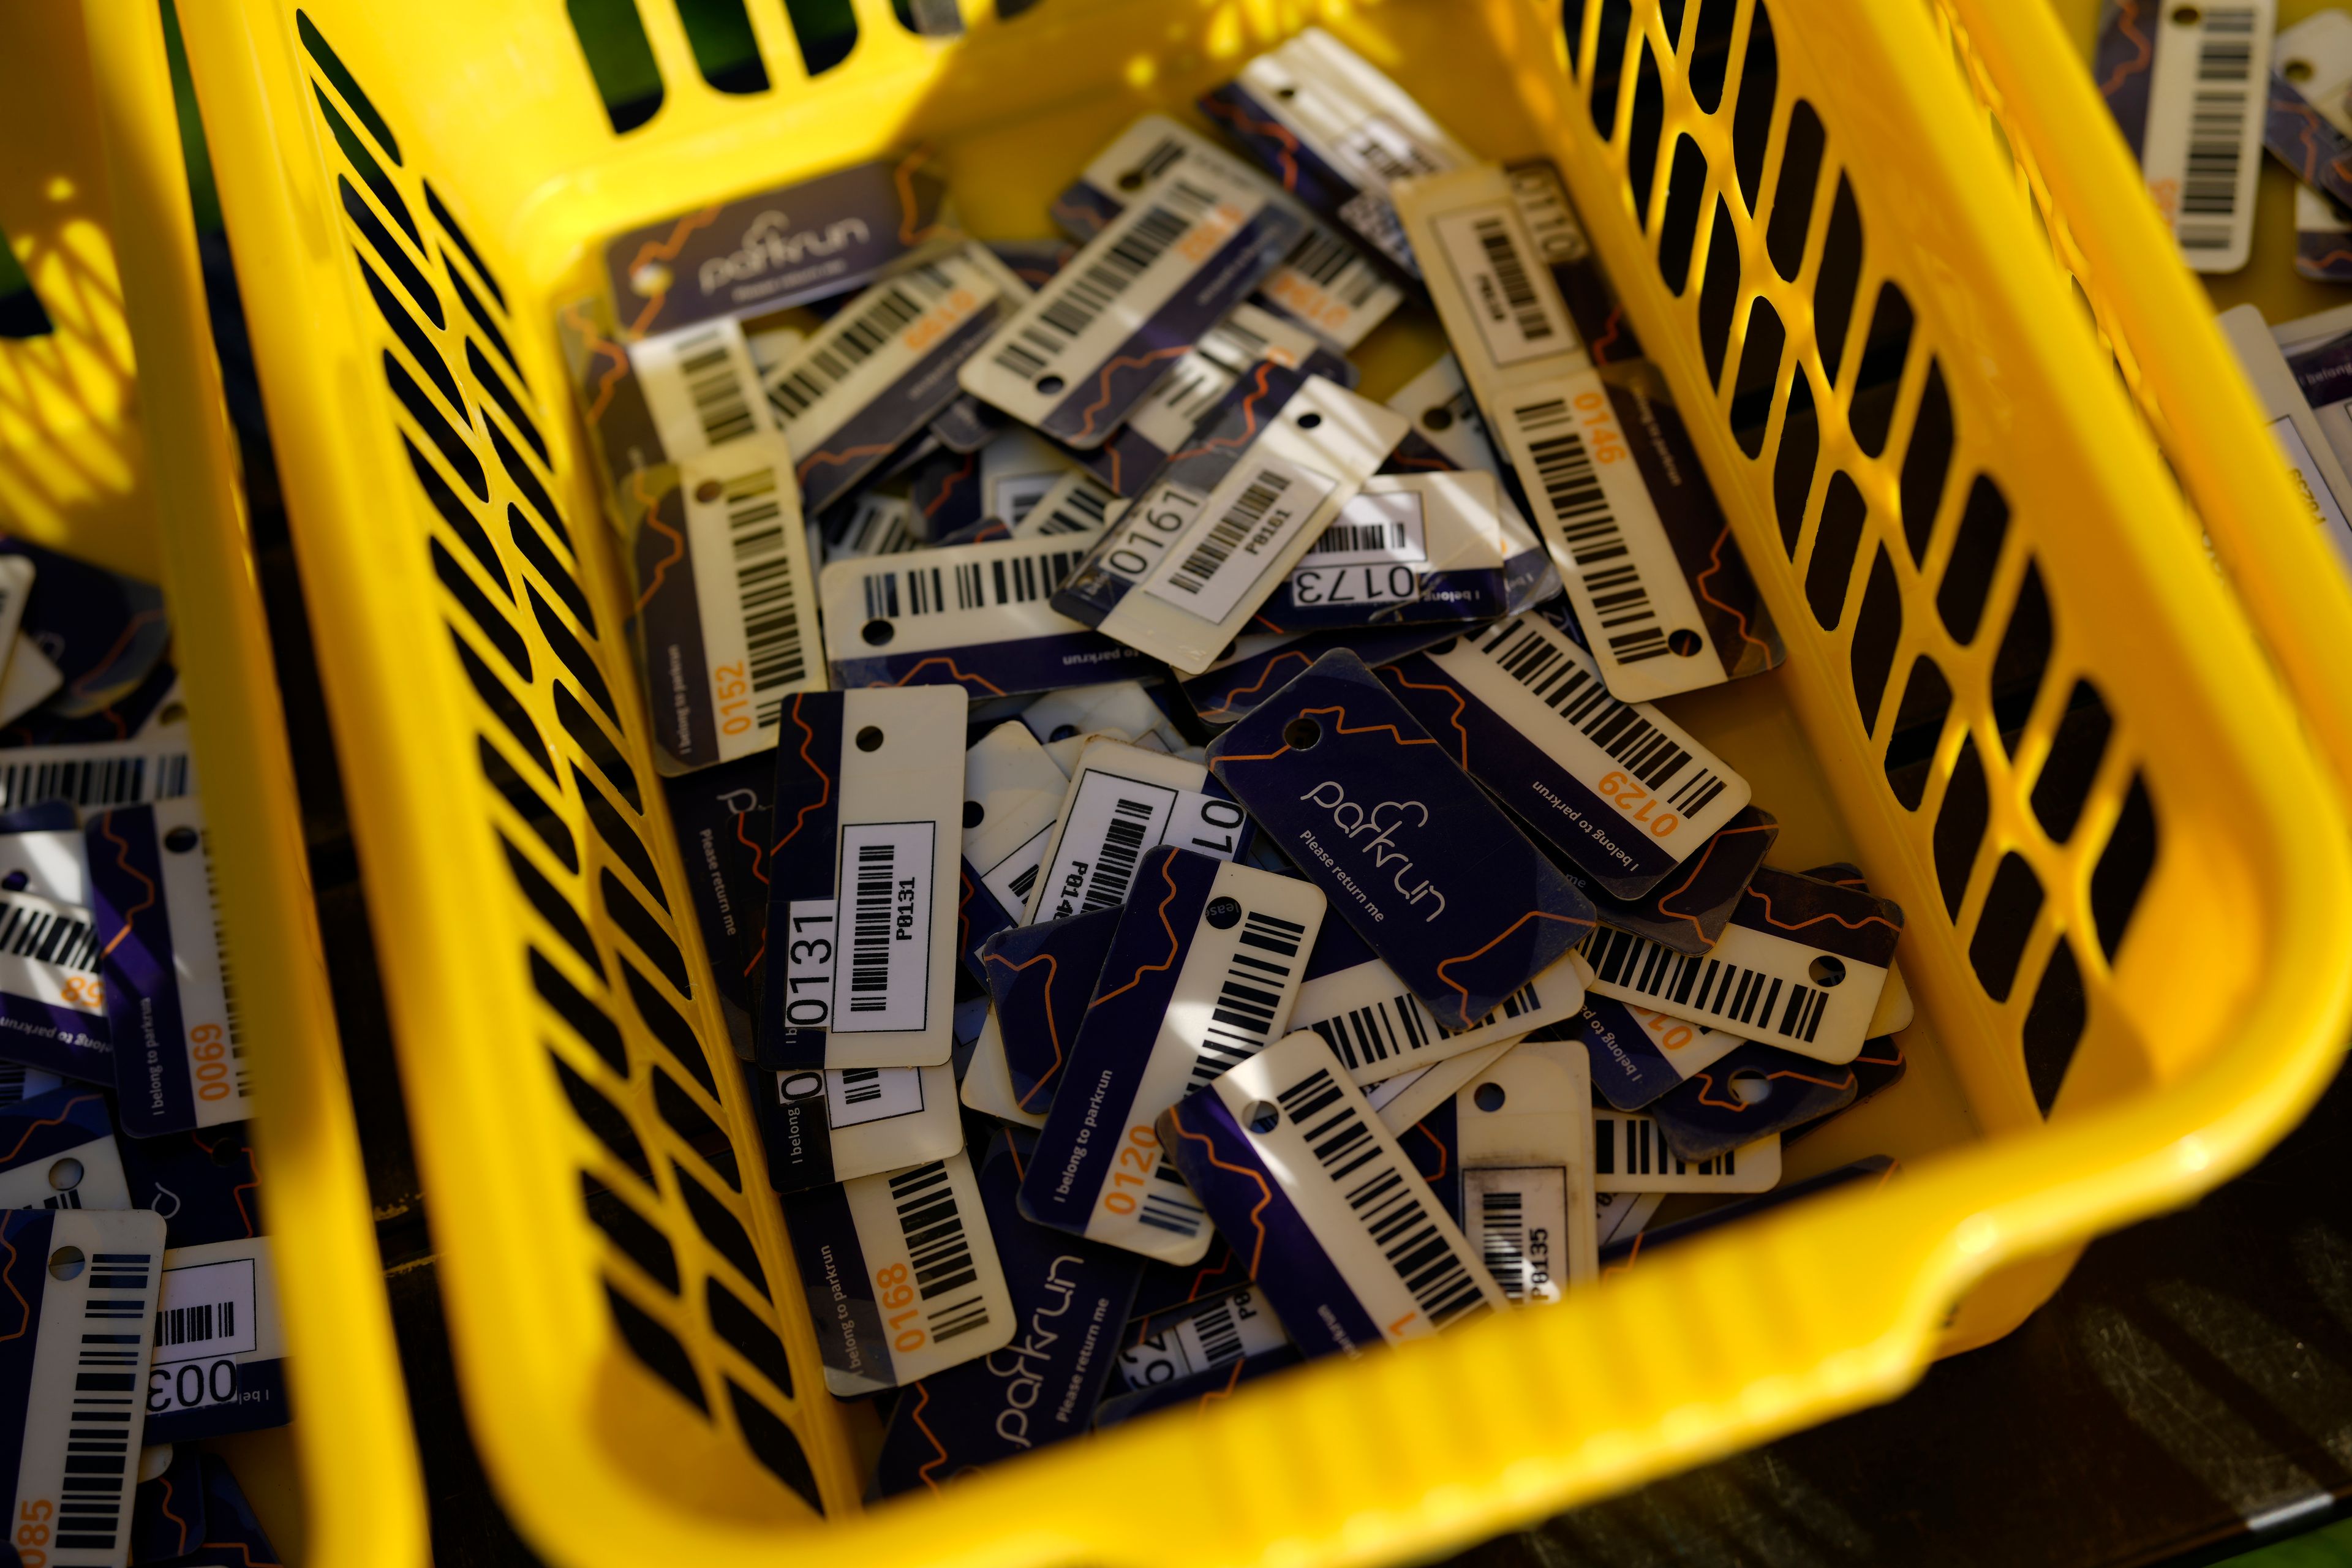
column 837, row 1126
column 1801, row 966
column 1336, row 133
column 1409, row 851
column 1341, row 1232
column 1379, row 1028
column 2186, row 86
column 1122, row 801
column 987, row 1083
column 1203, row 972
column 1749, row 1092
column 75, row 1338
column 46, row 861
column 220, row 1344
column 1405, row 1099
column 1069, row 1299
column 727, row 603
column 57, row 1152
column 902, row 1275
column 1012, row 796
column 1628, row 1156
column 1040, row 979
column 1075, row 361
column 170, row 994
column 1613, row 479
column 1893, row 1014
column 1525, row 1137
column 1618, row 788
column 1210, row 539
column 862, row 881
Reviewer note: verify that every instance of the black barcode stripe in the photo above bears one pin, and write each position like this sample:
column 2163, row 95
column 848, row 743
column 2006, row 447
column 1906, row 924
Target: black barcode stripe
column 708, row 372
column 2217, row 123
column 1241, row 1021
column 1122, row 845
column 1361, row 536
column 1325, row 259
column 1392, row 1205
column 938, row 1251
column 1519, row 648
column 96, row 781
column 1023, row 882
column 763, row 589
column 238, row 1064
column 869, row 938
column 1646, row 1152
column 1699, row 985
column 194, row 1325
column 1220, row 1335
column 1502, row 1219
column 98, row 1456
column 968, row 584
column 1079, row 293
column 1227, row 535
column 1080, row 512
column 1511, row 276
column 860, row 1084
column 847, row 344
column 1604, row 563
column 47, row 936
column 1400, row 1026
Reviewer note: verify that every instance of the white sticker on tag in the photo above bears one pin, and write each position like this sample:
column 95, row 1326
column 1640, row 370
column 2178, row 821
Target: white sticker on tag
column 855, row 1096
column 1525, row 1138
column 1122, row 801
column 1629, row 1156
column 1207, row 1337
column 887, row 886
column 701, row 388
column 1492, row 260
column 847, row 1122
column 752, row 587
column 2202, row 146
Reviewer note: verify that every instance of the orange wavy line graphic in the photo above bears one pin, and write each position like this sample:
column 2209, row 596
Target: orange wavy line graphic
column 1445, row 1155
column 665, row 250
column 903, row 176
column 1340, row 727
column 130, row 632
column 1264, row 677
column 1706, row 1089
column 1887, row 1175
column 1012, row 1153
column 1245, row 123
column 956, row 476
column 1137, row 978
column 1266, row 1194
column 800, row 820
column 960, row 676
column 9, row 1273
column 1124, row 362
column 1258, row 389
column 599, row 346
column 654, row 522
column 1205, row 1274
column 1052, row 1030
column 122, row 863
column 1232, row 1381
column 1070, row 215
column 2314, row 263
column 922, row 1403
column 1894, row 1061
column 964, row 909
column 2129, row 14
column 64, row 1116
column 1766, row 898
column 1393, row 673
column 164, row 1506
column 1700, row 582
column 848, row 455
column 1627, row 1261
column 1616, row 327
column 1462, row 1008
column 1705, row 854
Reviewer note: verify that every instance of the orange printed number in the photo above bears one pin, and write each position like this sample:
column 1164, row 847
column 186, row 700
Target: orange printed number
column 33, row 1532
column 1637, row 803
column 208, row 1044
column 731, row 689
column 1600, row 423
column 83, row 991
column 905, row 1329
column 1136, row 1159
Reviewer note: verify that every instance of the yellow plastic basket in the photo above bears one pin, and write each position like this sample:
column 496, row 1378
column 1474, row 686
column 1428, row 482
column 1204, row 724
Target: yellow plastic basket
column 1962, row 515
column 94, row 196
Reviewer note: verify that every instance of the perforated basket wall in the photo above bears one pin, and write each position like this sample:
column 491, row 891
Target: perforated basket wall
column 2015, row 689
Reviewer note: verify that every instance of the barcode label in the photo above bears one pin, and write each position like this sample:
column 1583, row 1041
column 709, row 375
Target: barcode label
column 882, row 982
column 205, row 1311
column 1752, row 983
column 1370, row 1039
column 106, row 774
column 1518, row 308
column 1331, row 287
column 1253, row 1001
column 1516, row 1219
column 1118, row 806
column 1225, row 551
column 1069, row 503
column 2201, row 142
column 1026, row 577
column 1628, row 1156
column 1101, row 273
column 1222, row 1332
column 872, row 321
column 213, row 1044
column 855, row 1096
column 1373, row 530
column 938, row 1252
column 751, row 588
column 701, row 388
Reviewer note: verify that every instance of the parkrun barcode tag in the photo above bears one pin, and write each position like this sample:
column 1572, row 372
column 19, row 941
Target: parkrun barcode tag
column 1338, row 1228
column 1040, row 979
column 1074, row 504
column 1211, row 539
column 170, row 998
column 1445, row 415
column 1752, row 1092
column 1013, row 797
column 884, row 367
column 150, row 767
column 1628, row 1156
column 977, row 615
column 1122, row 801
column 1409, row 851
column 1263, row 662
column 876, row 523
column 2308, row 127
column 19, row 1083
column 720, row 816
column 1688, row 910
column 1203, row 972
column 1638, row 1054
column 75, row 1341
column 702, row 388
column 1525, row 1138
column 1200, row 1337
column 1618, row 788
column 1642, row 547
column 52, row 990
column 862, row 881
column 1379, row 1028
column 1069, row 1299
column 1077, row 357
column 1336, row 133
column 61, row 1154
column 1801, row 966
column 837, row 1126
column 726, row 607
column 1325, row 283
column 2186, row 86
column 1409, row 1098
column 1408, row 548
column 902, row 1275
column 220, row 1346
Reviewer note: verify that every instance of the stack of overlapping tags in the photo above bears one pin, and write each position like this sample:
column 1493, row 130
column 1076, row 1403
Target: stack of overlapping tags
column 1196, row 876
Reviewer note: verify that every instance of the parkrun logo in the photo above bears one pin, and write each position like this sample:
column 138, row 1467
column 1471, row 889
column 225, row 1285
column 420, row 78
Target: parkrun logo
column 768, row 243
column 1353, row 820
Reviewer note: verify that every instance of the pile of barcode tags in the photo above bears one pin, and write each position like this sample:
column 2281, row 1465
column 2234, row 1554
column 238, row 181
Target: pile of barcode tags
column 138, row 1302
column 1191, row 867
